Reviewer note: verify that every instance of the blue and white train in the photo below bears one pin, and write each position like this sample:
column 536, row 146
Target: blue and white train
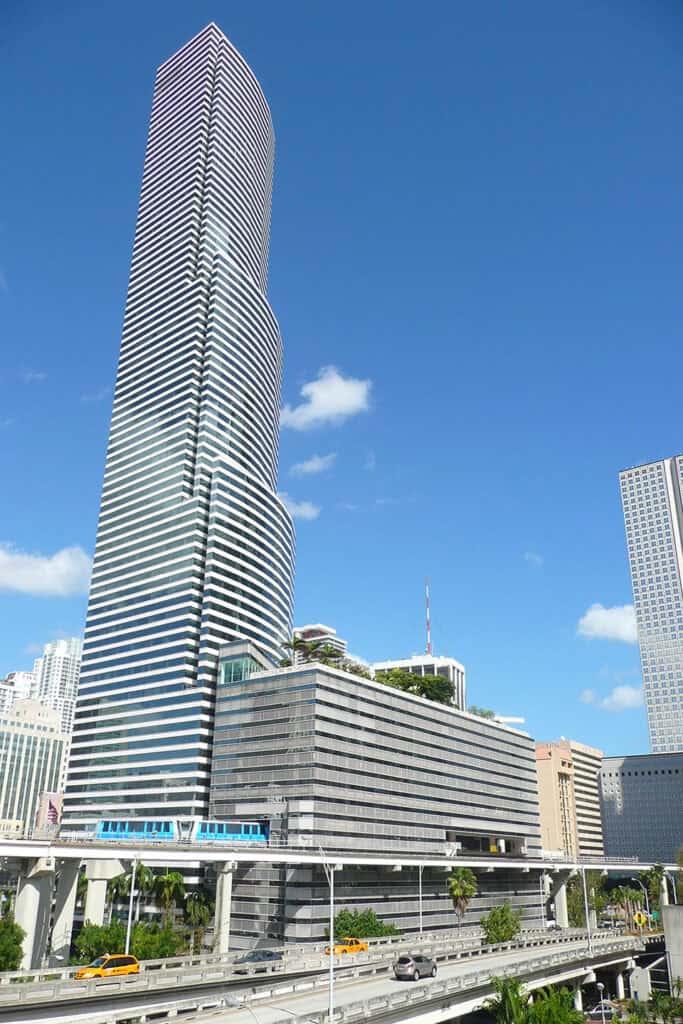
column 177, row 830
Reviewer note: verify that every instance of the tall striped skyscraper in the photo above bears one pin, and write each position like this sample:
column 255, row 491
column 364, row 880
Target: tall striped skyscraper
column 194, row 547
column 653, row 513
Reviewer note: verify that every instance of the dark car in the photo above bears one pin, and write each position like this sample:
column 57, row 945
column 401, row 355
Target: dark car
column 415, row 966
column 258, row 960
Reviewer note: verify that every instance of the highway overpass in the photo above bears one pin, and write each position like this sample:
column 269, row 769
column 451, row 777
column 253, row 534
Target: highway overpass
column 37, row 860
column 300, row 988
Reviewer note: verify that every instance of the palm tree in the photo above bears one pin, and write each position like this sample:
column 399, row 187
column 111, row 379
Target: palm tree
column 118, row 888
column 310, row 650
column 169, row 889
column 510, row 1005
column 198, row 911
column 144, row 883
column 462, row 887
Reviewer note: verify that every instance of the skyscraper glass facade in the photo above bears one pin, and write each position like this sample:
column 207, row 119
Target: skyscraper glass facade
column 194, row 547
column 653, row 514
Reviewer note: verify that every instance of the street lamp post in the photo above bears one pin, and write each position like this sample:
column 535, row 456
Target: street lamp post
column 601, row 988
column 329, row 874
column 647, row 901
column 585, row 907
column 420, row 866
column 130, row 904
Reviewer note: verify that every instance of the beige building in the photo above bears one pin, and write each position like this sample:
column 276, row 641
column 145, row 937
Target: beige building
column 569, row 797
column 587, row 763
column 555, row 773
column 31, row 756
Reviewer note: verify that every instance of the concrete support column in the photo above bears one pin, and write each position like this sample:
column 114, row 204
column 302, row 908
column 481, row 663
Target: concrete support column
column 223, row 907
column 621, row 988
column 98, row 873
column 560, row 900
column 578, row 998
column 65, row 904
column 664, row 893
column 32, row 909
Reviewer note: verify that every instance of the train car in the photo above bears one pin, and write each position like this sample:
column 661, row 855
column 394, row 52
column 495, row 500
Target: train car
column 230, row 832
column 157, row 829
column 174, row 830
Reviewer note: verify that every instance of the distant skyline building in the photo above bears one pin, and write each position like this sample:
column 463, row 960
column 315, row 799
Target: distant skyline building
column 653, row 516
column 194, row 546
column 16, row 686
column 31, row 754
column 56, row 678
column 642, row 806
column 431, row 665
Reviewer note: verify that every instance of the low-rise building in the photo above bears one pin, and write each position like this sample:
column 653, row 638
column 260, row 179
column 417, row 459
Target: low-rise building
column 431, row 665
column 641, row 798
column 342, row 763
column 569, row 798
column 31, row 754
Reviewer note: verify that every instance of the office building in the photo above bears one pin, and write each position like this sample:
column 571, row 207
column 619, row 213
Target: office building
column 431, row 665
column 587, row 762
column 31, row 754
column 194, row 546
column 557, row 805
column 16, row 686
column 641, row 798
column 653, row 515
column 56, row 678
column 335, row 761
column 318, row 634
column 569, row 798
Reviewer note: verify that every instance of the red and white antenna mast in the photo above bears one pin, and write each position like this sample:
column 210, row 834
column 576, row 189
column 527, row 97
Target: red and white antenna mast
column 429, row 624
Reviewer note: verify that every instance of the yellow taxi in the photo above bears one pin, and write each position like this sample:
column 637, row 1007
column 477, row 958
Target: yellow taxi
column 348, row 945
column 109, row 966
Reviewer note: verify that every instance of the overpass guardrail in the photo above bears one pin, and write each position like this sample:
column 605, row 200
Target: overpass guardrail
column 304, row 968
column 466, row 984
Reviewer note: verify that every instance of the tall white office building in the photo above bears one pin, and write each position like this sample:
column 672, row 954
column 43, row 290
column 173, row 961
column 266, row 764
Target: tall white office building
column 194, row 547
column 56, row 679
column 653, row 514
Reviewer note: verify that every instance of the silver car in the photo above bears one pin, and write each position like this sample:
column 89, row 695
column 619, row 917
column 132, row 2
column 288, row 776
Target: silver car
column 415, row 966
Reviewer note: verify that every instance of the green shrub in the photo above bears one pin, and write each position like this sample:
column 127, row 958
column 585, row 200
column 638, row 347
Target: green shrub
column 500, row 924
column 12, row 936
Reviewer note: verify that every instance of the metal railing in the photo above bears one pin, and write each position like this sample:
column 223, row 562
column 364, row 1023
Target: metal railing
column 223, row 970
column 464, row 984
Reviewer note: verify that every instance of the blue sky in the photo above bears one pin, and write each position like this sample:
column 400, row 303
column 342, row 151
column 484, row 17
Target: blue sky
column 477, row 219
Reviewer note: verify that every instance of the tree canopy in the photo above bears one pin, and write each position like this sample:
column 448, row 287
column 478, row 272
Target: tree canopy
column 12, row 936
column 362, row 924
column 500, row 924
column 434, row 688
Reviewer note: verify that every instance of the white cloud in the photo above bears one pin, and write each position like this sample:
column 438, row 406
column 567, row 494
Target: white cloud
column 300, row 509
column 618, row 623
column 533, row 559
column 65, row 573
column 622, row 698
column 316, row 464
column 95, row 396
column 328, row 400
column 588, row 696
column 33, row 376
